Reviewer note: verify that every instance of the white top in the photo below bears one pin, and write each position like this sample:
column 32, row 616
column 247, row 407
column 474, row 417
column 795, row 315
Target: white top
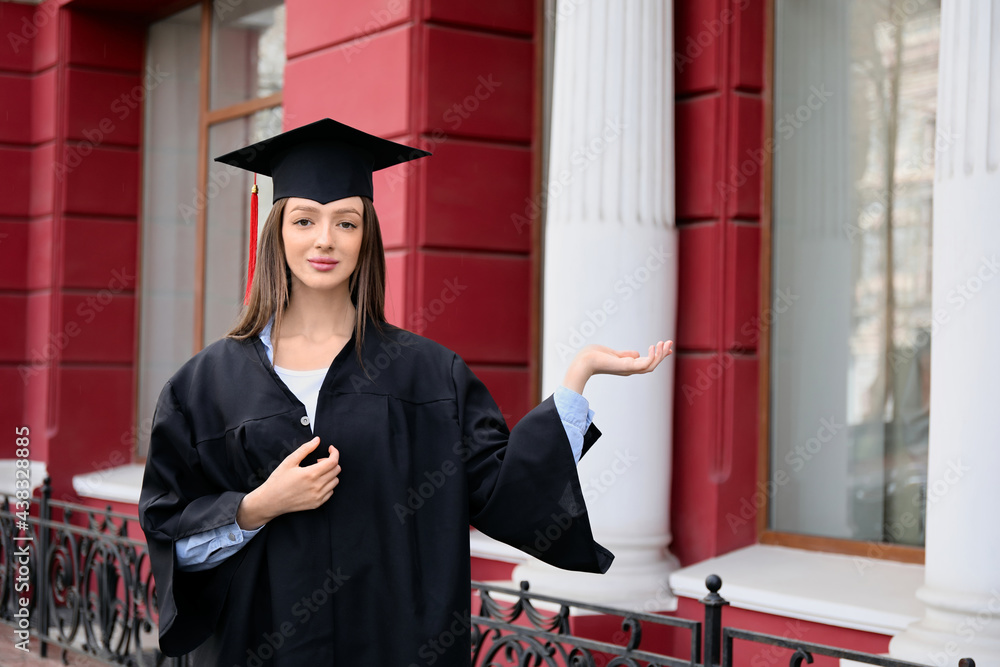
column 305, row 385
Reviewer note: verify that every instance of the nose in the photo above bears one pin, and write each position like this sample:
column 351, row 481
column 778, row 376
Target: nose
column 324, row 235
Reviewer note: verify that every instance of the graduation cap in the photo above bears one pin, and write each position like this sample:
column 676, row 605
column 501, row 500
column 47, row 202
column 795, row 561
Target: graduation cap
column 323, row 161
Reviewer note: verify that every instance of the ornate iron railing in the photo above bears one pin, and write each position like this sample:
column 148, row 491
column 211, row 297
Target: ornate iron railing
column 89, row 590
column 516, row 632
column 87, row 583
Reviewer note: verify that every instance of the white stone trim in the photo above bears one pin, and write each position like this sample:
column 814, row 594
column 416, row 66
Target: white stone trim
column 119, row 484
column 843, row 591
column 8, row 468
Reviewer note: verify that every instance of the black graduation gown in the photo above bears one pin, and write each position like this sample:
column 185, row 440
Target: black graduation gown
column 378, row 575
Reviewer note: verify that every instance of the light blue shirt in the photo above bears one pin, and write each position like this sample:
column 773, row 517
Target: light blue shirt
column 204, row 550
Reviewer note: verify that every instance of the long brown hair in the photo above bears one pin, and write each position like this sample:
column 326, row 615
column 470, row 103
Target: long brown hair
column 272, row 279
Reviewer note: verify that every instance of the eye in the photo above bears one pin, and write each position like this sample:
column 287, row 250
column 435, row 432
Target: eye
column 304, row 220
column 350, row 225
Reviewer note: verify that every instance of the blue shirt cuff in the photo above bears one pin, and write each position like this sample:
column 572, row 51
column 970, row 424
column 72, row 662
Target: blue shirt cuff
column 576, row 415
column 203, row 550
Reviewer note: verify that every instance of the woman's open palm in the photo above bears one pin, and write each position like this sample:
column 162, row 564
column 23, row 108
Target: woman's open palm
column 605, row 360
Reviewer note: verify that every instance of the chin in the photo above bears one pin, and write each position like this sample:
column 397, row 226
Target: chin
column 323, row 286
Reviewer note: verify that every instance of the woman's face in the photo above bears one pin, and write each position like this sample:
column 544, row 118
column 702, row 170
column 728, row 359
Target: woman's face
column 322, row 241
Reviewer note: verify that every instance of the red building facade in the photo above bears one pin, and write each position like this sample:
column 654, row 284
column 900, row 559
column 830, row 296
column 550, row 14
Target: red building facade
column 462, row 80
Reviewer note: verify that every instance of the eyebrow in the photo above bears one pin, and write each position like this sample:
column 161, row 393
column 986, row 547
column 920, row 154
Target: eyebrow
column 313, row 209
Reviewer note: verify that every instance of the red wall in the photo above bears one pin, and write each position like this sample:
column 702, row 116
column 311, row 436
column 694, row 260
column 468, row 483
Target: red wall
column 719, row 68
column 455, row 78
column 452, row 77
column 72, row 85
column 25, row 67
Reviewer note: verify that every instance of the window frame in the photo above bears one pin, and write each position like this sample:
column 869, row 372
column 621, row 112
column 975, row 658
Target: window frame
column 765, row 534
column 207, row 117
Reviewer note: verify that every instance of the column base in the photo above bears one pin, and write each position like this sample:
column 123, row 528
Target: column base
column 635, row 587
column 955, row 626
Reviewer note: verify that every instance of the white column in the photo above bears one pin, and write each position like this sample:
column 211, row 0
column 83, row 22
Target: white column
column 611, row 278
column 962, row 574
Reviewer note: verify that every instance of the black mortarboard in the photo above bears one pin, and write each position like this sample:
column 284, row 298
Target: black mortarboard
column 323, row 161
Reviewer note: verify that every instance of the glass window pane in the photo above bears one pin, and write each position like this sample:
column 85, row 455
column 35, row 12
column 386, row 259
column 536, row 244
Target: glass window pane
column 228, row 218
column 170, row 167
column 248, row 51
column 855, row 97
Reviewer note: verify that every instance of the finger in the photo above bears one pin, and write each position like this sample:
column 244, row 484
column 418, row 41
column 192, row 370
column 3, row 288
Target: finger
column 628, row 353
column 326, row 475
column 649, row 362
column 332, row 458
column 326, row 496
column 296, row 457
column 329, row 487
column 661, row 349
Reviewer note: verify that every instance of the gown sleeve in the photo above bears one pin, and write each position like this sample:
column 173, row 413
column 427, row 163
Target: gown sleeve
column 176, row 501
column 524, row 489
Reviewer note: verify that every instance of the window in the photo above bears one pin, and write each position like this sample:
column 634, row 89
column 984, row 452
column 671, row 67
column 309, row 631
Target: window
column 855, row 91
column 226, row 63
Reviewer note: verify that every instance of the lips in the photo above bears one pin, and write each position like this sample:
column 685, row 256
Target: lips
column 323, row 263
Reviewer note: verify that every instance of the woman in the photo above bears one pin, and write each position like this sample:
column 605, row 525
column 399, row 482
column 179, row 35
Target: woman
column 312, row 476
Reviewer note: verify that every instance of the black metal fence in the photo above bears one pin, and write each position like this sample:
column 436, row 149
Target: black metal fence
column 517, row 632
column 72, row 578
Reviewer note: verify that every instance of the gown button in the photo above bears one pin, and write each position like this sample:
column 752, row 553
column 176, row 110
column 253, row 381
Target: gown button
column 304, row 421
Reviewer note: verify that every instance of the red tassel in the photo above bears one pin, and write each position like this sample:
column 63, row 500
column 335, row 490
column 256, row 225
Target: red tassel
column 253, row 240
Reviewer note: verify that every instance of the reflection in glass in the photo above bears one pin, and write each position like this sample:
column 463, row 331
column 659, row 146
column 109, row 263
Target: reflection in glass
column 248, row 51
column 853, row 167
column 228, row 218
